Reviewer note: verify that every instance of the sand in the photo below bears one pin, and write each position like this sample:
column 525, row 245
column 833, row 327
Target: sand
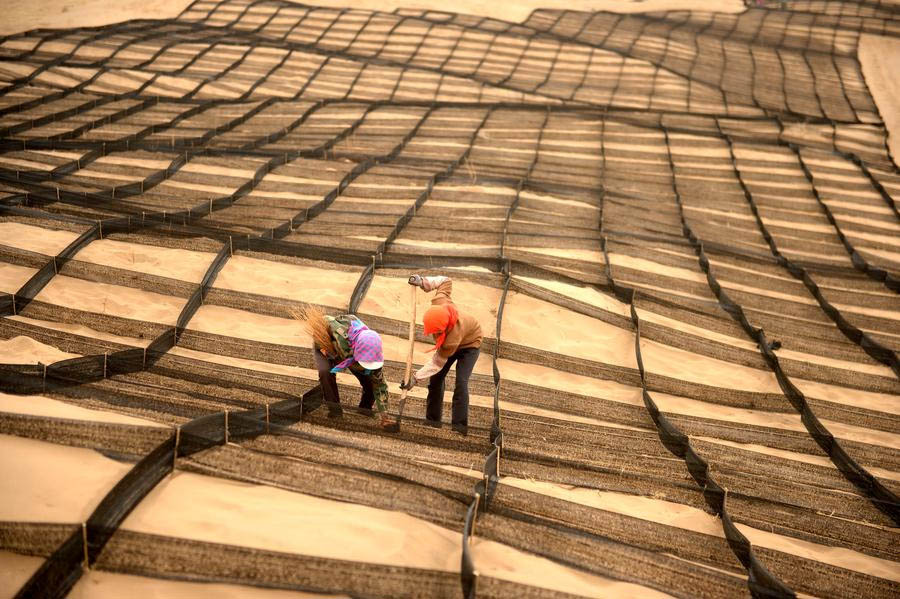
column 509, row 406
column 565, row 332
column 35, row 472
column 880, row 60
column 15, row 570
column 592, row 256
column 744, row 343
column 684, row 274
column 337, row 530
column 13, row 276
column 25, row 350
column 49, row 242
column 249, row 325
column 174, row 263
column 542, row 376
column 681, row 364
column 180, row 264
column 289, row 281
column 870, row 400
column 258, row 516
column 36, row 405
column 818, row 460
column 689, row 518
column 80, row 13
column 420, row 391
column 587, row 295
column 113, row 300
column 784, row 421
column 96, row 584
column 77, row 329
column 20, row 16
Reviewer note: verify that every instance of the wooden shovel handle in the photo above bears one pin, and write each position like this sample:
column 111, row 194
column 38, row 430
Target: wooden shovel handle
column 412, row 347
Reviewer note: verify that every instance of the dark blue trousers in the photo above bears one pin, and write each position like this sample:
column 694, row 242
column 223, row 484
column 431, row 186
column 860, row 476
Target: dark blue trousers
column 465, row 362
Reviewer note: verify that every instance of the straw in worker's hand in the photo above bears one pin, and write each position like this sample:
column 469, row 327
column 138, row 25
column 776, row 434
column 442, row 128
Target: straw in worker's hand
column 313, row 320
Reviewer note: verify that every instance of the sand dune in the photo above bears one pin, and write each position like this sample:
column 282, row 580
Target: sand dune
column 593, row 139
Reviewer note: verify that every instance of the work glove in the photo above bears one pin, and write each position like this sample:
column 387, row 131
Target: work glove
column 416, row 280
column 407, row 386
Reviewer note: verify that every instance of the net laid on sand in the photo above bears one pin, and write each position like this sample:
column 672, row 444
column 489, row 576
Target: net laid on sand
column 678, row 230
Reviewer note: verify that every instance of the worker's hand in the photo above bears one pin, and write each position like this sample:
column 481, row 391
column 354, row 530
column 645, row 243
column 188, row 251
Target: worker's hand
column 407, row 386
column 416, row 280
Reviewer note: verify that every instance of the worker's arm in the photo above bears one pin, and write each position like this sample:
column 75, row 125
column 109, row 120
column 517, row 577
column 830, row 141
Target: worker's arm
column 442, row 285
column 433, row 367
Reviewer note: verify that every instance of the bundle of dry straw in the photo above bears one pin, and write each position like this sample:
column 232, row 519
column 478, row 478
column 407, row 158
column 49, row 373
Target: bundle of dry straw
column 313, row 320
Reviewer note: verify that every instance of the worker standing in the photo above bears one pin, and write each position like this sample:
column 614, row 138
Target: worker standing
column 457, row 339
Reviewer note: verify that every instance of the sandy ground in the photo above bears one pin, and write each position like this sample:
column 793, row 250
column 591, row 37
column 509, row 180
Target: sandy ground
column 78, row 329
column 13, row 276
column 21, row 16
column 357, row 532
column 37, row 405
column 588, row 295
column 114, row 300
column 180, row 264
column 818, row 460
column 107, row 585
column 185, row 265
column 35, row 239
column 565, row 332
column 35, row 472
column 25, row 350
column 880, row 60
column 289, row 281
column 338, row 530
column 15, row 570
column 689, row 518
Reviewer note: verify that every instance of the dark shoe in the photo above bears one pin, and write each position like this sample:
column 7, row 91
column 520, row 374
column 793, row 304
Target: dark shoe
column 365, row 411
column 334, row 410
column 462, row 429
column 434, row 423
column 389, row 424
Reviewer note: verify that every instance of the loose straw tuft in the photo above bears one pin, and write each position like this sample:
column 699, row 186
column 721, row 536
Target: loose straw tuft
column 313, row 320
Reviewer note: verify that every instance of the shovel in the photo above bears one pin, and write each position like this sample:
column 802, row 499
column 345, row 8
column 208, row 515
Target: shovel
column 409, row 356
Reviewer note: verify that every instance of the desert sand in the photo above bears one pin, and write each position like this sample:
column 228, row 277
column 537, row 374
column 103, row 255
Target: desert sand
column 25, row 350
column 15, row 570
column 97, row 584
column 114, row 300
column 289, row 281
column 339, row 530
column 85, row 475
column 37, row 405
column 80, row 13
column 693, row 519
column 205, row 508
column 880, row 60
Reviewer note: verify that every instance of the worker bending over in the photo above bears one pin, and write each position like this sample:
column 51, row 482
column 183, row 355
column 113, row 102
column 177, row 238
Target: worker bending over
column 346, row 343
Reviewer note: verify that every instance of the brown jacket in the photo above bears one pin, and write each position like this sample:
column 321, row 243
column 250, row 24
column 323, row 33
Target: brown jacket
column 466, row 333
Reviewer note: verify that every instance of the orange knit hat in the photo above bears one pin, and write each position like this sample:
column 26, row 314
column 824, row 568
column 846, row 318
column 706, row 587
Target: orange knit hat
column 440, row 319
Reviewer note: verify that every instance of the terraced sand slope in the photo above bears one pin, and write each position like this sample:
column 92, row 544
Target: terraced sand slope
column 677, row 229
